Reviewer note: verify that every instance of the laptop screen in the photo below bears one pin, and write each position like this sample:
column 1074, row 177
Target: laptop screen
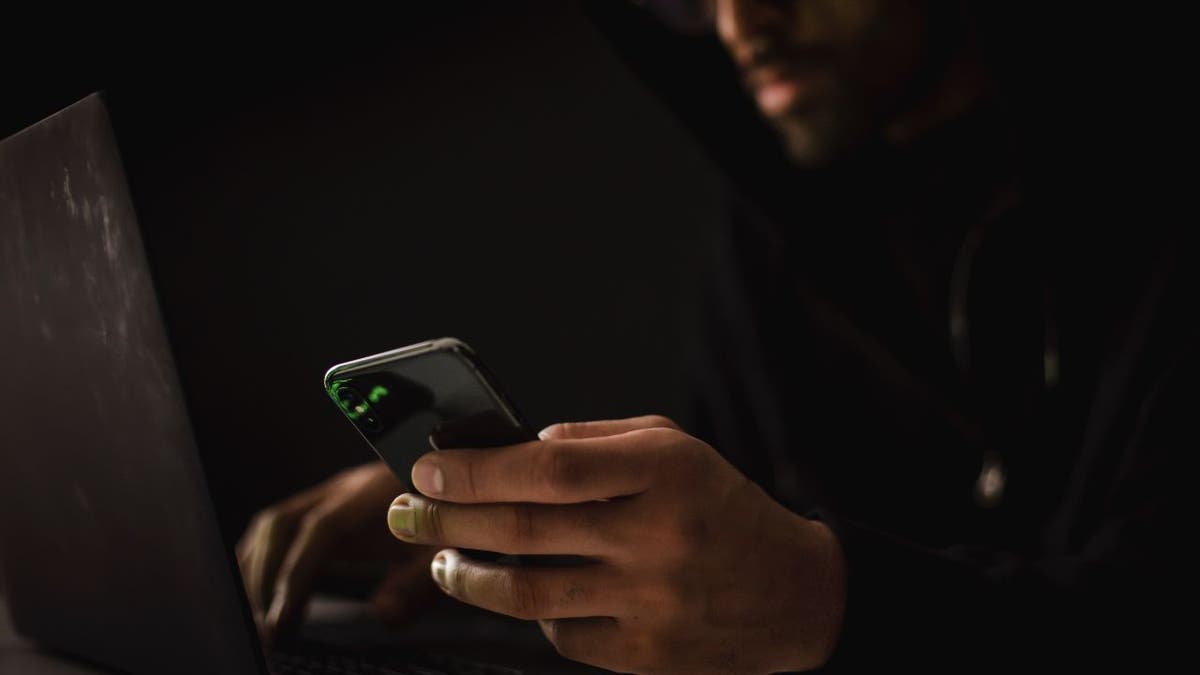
column 107, row 530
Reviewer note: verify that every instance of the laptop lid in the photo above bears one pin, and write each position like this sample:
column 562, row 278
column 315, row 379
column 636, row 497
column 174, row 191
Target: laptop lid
column 109, row 547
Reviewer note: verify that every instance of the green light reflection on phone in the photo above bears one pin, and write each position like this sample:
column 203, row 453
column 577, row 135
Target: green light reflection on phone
column 357, row 411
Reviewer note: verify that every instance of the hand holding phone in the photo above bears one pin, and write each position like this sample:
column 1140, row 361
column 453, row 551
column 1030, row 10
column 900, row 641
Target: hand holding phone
column 435, row 394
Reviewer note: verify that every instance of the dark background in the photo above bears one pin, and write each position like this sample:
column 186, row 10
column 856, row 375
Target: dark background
column 320, row 188
column 317, row 186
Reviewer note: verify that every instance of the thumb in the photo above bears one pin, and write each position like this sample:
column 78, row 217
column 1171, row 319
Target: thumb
column 599, row 428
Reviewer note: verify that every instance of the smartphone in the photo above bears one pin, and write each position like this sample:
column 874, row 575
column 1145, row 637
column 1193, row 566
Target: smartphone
column 431, row 395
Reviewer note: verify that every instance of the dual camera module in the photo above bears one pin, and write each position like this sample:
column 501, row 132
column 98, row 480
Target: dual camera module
column 358, row 408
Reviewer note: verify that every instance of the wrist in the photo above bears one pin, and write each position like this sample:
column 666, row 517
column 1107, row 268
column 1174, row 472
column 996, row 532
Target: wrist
column 820, row 596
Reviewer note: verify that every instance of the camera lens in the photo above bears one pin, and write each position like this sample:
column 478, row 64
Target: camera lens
column 348, row 398
column 358, row 409
column 352, row 402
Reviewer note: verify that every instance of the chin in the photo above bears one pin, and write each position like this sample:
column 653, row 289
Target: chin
column 821, row 137
column 803, row 145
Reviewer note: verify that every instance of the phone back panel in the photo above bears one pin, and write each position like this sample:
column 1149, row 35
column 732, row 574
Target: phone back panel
column 432, row 395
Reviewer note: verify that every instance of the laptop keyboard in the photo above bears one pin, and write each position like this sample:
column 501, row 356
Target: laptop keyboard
column 345, row 663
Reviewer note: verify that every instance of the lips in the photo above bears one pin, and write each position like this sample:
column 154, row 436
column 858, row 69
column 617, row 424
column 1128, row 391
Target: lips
column 778, row 97
column 779, row 89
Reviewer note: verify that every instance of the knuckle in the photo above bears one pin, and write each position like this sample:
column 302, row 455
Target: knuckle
column 433, row 515
column 522, row 529
column 558, row 470
column 254, row 532
column 274, row 526
column 662, row 422
column 666, row 437
column 267, row 518
column 524, row 597
column 471, row 481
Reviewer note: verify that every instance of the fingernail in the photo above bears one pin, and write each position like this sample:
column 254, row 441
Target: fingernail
column 402, row 519
column 544, row 434
column 428, row 478
column 438, row 569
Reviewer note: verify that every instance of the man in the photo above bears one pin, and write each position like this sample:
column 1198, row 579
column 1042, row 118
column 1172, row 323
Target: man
column 943, row 429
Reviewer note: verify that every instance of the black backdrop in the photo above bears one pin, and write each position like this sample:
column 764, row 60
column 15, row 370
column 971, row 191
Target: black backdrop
column 317, row 189
column 323, row 183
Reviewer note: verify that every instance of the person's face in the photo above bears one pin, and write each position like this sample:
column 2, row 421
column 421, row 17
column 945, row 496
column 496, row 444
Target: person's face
column 827, row 74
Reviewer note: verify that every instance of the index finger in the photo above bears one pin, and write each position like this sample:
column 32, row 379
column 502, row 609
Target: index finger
column 547, row 472
column 596, row 428
column 296, row 575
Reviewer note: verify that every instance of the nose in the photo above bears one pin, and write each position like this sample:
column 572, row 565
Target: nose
column 740, row 23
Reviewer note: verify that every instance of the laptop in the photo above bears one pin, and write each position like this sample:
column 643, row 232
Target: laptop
column 110, row 548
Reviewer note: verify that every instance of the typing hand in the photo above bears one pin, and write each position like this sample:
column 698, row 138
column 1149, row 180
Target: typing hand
column 289, row 544
column 694, row 568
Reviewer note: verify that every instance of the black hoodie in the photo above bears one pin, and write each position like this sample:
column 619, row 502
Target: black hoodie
column 974, row 358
